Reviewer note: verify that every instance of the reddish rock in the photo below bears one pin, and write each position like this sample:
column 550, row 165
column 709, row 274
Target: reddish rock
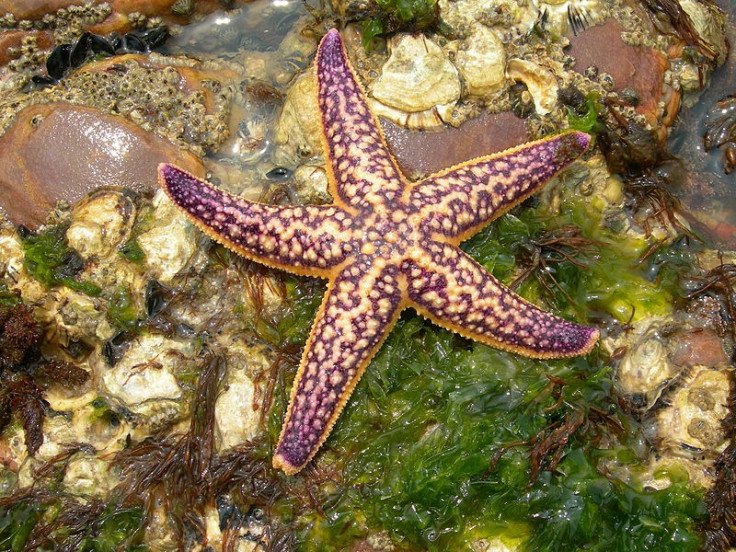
column 14, row 39
column 421, row 152
column 60, row 152
column 699, row 348
column 36, row 9
column 636, row 67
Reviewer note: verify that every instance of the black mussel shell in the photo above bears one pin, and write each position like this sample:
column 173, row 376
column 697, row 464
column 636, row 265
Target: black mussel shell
column 155, row 37
column 157, row 297
column 115, row 348
column 43, row 80
column 132, row 43
column 279, row 174
column 100, row 45
column 81, row 51
column 59, row 61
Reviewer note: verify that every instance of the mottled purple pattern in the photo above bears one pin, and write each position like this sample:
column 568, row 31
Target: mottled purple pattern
column 363, row 171
column 305, row 237
column 463, row 199
column 456, row 292
column 384, row 244
column 349, row 329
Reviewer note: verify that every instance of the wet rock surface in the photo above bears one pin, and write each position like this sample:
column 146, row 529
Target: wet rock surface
column 424, row 152
column 638, row 68
column 59, row 152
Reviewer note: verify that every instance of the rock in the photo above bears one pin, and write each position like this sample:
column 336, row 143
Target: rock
column 698, row 347
column 60, row 152
column 636, row 67
column 15, row 39
column 421, row 153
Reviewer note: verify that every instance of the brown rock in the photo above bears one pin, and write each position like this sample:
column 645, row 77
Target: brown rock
column 636, row 67
column 35, row 9
column 60, row 152
column 14, row 39
column 420, row 153
column 699, row 347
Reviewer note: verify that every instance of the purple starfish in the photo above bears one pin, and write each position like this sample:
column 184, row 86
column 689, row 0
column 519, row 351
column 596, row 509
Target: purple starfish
column 384, row 244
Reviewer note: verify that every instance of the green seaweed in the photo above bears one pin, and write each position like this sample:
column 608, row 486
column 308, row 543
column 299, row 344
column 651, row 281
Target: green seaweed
column 16, row 524
column 8, row 298
column 588, row 121
column 50, row 260
column 395, row 15
column 131, row 250
column 116, row 527
column 415, row 447
column 50, row 523
column 422, row 427
column 304, row 298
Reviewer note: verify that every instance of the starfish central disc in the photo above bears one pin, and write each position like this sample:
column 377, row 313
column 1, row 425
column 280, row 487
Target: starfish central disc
column 384, row 244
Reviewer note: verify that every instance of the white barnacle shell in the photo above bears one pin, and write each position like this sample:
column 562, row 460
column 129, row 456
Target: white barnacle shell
column 481, row 60
column 645, row 372
column 710, row 23
column 692, row 424
column 146, row 372
column 236, row 416
column 101, row 222
column 540, row 82
column 170, row 244
column 418, row 83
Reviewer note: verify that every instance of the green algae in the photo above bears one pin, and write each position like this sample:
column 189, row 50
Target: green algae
column 422, row 427
column 48, row 523
column 588, row 121
column 131, row 251
column 399, row 15
column 50, row 260
column 122, row 309
column 437, row 445
column 8, row 298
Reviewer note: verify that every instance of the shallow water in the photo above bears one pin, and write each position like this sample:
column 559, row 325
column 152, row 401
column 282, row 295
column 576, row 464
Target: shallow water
column 709, row 189
column 258, row 26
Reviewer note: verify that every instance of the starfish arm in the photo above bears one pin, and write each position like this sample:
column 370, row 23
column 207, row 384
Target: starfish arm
column 455, row 292
column 360, row 307
column 310, row 240
column 361, row 171
column 458, row 202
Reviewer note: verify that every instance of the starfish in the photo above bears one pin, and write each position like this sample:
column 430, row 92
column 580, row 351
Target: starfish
column 384, row 244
